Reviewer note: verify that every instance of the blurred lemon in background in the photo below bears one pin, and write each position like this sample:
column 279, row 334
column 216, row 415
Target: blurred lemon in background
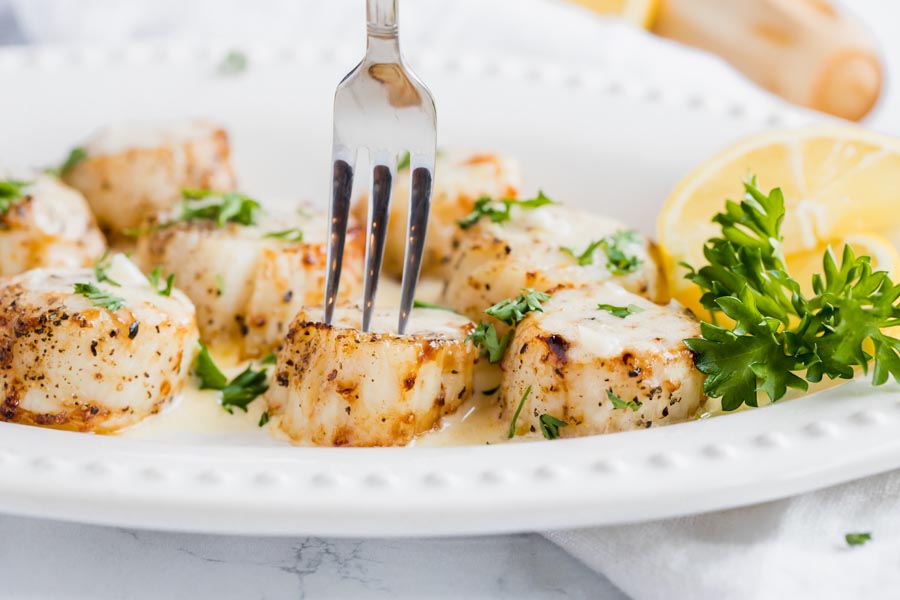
column 639, row 12
column 841, row 184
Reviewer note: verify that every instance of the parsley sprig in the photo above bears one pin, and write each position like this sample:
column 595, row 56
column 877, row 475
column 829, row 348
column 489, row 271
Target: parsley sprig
column 98, row 297
column 618, row 260
column 240, row 391
column 11, row 193
column 781, row 337
column 510, row 311
column 500, row 211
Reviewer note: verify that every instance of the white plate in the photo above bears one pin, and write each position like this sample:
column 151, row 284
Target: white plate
column 588, row 137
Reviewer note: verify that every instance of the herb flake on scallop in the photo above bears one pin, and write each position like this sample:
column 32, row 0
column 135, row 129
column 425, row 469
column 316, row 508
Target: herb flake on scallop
column 620, row 311
column 98, row 297
column 512, row 424
column 619, row 403
column 550, row 426
column 500, row 211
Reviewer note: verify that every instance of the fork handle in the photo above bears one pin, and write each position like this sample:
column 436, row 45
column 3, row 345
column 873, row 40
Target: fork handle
column 381, row 18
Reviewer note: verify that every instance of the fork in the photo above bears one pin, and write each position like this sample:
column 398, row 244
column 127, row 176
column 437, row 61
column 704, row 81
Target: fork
column 383, row 108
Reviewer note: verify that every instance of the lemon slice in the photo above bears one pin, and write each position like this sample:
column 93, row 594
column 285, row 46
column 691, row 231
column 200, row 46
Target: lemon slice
column 639, row 12
column 838, row 181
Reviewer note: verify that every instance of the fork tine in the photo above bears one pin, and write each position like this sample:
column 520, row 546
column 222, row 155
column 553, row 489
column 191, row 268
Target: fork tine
column 341, row 189
column 419, row 207
column 379, row 208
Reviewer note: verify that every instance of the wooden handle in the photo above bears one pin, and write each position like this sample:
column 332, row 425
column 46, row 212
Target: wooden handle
column 802, row 50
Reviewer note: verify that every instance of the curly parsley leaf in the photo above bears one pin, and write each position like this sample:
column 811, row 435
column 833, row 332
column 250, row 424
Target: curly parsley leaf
column 618, row 260
column 154, row 278
column 98, row 297
column 782, row 338
column 288, row 235
column 512, row 424
column 550, row 426
column 101, row 270
column 489, row 342
column 500, row 211
column 510, row 311
column 619, row 403
column 620, row 311
column 228, row 207
column 857, row 539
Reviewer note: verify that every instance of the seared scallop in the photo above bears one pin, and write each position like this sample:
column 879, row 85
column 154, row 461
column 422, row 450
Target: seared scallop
column 337, row 386
column 542, row 248
column 249, row 281
column 459, row 180
column 44, row 223
column 98, row 359
column 129, row 173
column 601, row 359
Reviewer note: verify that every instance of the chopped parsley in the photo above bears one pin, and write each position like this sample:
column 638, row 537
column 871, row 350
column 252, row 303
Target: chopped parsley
column 264, row 418
column 268, row 359
column 857, row 539
column 619, row 403
column 231, row 207
column 234, row 62
column 154, row 278
column 101, row 270
column 512, row 425
column 76, row 155
column 98, row 297
column 620, row 311
column 550, row 426
column 240, row 391
column 510, row 311
column 403, row 163
column 288, row 235
column 422, row 304
column 11, row 194
column 499, row 211
column 618, row 261
column 220, row 285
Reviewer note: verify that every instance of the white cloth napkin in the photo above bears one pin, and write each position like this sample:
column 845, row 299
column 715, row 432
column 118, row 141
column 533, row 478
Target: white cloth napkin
column 791, row 548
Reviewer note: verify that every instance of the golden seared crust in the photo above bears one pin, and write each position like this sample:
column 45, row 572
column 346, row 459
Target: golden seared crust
column 129, row 184
column 50, row 227
column 66, row 364
column 337, row 386
column 574, row 354
column 493, row 262
column 460, row 179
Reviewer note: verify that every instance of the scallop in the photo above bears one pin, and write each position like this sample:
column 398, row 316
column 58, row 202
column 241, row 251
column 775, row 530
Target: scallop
column 544, row 248
column 44, row 223
column 71, row 362
column 249, row 281
column 460, row 179
column 618, row 367
column 132, row 172
column 338, row 386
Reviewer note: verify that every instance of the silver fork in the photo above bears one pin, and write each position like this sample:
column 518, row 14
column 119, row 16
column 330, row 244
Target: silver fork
column 382, row 107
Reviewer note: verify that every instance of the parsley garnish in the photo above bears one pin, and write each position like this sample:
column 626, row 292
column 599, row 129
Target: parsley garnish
column 239, row 392
column 264, row 418
column 11, row 193
column 619, row 403
column 422, row 304
column 76, row 155
column 512, row 425
column 857, row 539
column 403, row 163
column 268, row 359
column 509, row 311
column 234, row 62
column 779, row 333
column 618, row 261
column 620, row 311
column 498, row 211
column 154, row 278
column 232, row 207
column 550, row 426
column 288, row 235
column 98, row 297
column 101, row 270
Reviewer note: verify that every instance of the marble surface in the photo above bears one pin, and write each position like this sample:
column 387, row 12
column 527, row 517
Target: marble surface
column 42, row 559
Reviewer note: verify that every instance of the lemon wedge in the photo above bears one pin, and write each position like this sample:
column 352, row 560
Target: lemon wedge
column 841, row 184
column 639, row 12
